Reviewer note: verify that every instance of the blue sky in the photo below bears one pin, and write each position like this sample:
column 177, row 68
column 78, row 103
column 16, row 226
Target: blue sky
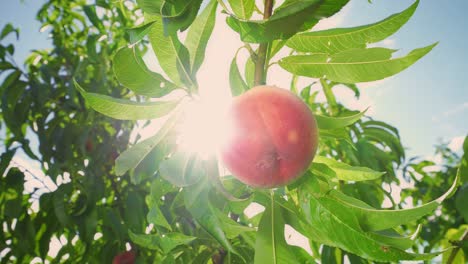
column 427, row 102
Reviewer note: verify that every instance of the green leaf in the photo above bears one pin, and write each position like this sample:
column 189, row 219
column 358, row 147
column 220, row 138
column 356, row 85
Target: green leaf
column 384, row 137
column 353, row 87
column 166, row 242
column 231, row 228
column 198, row 204
column 339, row 39
column 242, row 8
column 284, row 23
column 173, row 56
column 182, row 169
column 451, row 236
column 152, row 7
column 327, row 122
column 326, row 9
column 238, row 85
column 131, row 71
column 270, row 245
column 149, row 166
column 461, row 201
column 373, row 220
column 7, row 30
column 126, row 109
column 335, row 224
column 199, row 34
column 134, row 212
column 174, row 8
column 137, row 33
column 5, row 159
column 392, row 238
column 90, row 11
column 249, row 72
column 360, row 65
column 131, row 157
column 156, row 217
column 346, row 172
column 180, row 15
column 338, row 134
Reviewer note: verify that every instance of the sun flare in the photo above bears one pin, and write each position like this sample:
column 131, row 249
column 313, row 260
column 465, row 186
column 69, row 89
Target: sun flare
column 205, row 127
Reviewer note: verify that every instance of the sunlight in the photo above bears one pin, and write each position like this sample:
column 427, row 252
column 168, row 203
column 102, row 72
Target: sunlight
column 205, row 127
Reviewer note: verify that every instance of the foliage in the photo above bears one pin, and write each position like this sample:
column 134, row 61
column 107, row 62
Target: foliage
column 171, row 206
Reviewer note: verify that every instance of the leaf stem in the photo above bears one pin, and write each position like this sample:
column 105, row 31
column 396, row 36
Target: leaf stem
column 260, row 64
column 454, row 252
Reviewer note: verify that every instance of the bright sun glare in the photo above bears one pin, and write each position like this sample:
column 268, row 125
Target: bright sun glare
column 205, row 126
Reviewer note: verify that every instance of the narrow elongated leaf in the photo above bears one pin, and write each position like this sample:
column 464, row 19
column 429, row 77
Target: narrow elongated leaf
column 139, row 32
column 173, row 56
column 166, row 242
column 242, row 8
column 8, row 29
column 461, row 203
column 327, row 122
column 130, row 158
column 152, row 7
column 174, row 8
column 197, row 202
column 338, row 134
column 156, row 217
column 374, row 220
column 182, row 21
column 199, row 34
column 347, row 172
column 385, row 138
column 238, row 85
column 392, row 238
column 270, row 245
column 350, row 70
column 282, row 24
column 131, row 71
column 326, row 9
column 126, row 109
column 90, row 11
column 182, row 169
column 335, row 40
column 334, row 224
column 230, row 227
column 249, row 72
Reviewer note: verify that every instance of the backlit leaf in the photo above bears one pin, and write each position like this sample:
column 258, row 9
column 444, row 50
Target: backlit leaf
column 328, row 122
column 281, row 25
column 182, row 169
column 347, row 172
column 131, row 157
column 360, row 66
column 125, row 109
column 270, row 245
column 339, row 39
column 199, row 34
column 131, row 71
column 173, row 56
column 242, row 8
column 165, row 242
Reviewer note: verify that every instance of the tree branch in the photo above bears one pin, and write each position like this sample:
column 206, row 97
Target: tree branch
column 260, row 65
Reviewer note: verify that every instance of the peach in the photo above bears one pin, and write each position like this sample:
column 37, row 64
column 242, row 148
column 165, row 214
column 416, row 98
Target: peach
column 127, row 257
column 274, row 139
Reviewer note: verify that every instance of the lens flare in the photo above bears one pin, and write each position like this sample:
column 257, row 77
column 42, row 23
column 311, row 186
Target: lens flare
column 205, row 127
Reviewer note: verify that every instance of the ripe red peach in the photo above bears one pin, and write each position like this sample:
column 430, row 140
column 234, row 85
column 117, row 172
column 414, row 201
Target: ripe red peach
column 127, row 257
column 274, row 139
